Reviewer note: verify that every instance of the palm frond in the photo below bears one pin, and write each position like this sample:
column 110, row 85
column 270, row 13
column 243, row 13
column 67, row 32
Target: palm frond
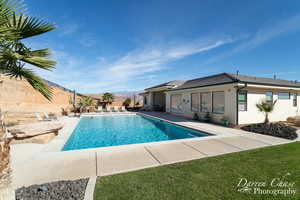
column 40, row 62
column 27, row 26
column 41, row 53
column 38, row 58
column 34, row 80
column 7, row 33
column 9, row 7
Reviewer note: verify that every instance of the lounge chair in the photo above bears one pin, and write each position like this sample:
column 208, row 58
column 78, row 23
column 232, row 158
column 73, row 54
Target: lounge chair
column 100, row 109
column 108, row 109
column 116, row 108
column 39, row 118
column 2, row 120
column 123, row 109
column 49, row 117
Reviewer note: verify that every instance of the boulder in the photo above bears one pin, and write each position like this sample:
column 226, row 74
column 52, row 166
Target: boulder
column 291, row 119
column 34, row 129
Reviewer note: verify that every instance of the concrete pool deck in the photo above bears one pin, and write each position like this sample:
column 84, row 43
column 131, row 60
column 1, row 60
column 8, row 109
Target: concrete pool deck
column 41, row 163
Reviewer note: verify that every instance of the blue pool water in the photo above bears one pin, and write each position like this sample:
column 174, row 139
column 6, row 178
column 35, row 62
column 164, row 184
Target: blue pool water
column 107, row 131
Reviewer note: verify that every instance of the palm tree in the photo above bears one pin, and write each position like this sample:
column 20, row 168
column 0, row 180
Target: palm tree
column 15, row 26
column 266, row 107
column 108, row 97
column 127, row 102
column 85, row 102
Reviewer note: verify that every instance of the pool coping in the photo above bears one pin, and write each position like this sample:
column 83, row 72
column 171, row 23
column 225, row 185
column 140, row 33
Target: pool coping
column 171, row 122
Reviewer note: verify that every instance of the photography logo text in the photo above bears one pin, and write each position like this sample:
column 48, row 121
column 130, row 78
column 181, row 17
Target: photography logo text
column 274, row 186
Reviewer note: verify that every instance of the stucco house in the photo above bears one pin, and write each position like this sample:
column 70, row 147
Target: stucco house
column 231, row 95
column 155, row 97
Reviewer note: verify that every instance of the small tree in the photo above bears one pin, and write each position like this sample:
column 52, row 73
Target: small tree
column 127, row 102
column 266, row 107
column 108, row 97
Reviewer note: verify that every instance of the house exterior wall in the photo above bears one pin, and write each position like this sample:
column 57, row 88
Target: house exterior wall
column 155, row 98
column 229, row 102
column 145, row 100
column 159, row 99
column 150, row 99
column 283, row 108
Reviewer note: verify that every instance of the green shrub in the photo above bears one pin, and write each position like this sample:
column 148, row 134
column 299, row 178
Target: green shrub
column 195, row 116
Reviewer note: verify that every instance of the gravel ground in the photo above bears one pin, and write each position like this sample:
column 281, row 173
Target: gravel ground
column 66, row 190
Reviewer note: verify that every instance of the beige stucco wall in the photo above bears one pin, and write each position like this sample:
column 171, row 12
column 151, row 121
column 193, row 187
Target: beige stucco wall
column 283, row 108
column 229, row 94
column 21, row 100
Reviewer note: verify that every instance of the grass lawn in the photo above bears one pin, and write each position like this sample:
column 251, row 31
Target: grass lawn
column 208, row 178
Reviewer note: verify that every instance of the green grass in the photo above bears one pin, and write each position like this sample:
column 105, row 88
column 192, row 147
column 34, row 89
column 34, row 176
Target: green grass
column 208, row 178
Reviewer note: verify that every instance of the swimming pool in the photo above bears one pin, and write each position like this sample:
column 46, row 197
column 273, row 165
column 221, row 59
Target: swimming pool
column 104, row 131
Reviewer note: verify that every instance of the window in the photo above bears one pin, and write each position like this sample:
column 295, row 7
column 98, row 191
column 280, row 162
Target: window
column 242, row 100
column 269, row 97
column 205, row 99
column 283, row 95
column 195, row 102
column 176, row 103
column 218, row 102
column 295, row 100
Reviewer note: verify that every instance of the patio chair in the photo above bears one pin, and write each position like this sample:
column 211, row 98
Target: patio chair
column 39, row 118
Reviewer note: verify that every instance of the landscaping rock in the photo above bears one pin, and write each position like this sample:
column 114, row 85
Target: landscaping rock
column 273, row 129
column 67, row 190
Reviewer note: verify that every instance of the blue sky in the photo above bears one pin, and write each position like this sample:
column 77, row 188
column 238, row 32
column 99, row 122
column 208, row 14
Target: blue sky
column 130, row 45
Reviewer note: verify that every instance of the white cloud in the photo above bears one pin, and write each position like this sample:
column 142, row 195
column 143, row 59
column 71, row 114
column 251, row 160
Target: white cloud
column 261, row 36
column 268, row 33
column 87, row 42
column 68, row 29
column 104, row 73
column 76, row 72
column 153, row 58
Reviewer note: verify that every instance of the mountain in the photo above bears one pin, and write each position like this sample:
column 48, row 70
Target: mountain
column 119, row 96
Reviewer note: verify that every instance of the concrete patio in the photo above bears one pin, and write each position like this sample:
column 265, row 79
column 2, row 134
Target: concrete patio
column 36, row 164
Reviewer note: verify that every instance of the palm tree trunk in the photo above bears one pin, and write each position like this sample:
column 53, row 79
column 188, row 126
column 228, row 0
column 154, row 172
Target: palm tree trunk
column 7, row 193
column 6, row 190
column 267, row 118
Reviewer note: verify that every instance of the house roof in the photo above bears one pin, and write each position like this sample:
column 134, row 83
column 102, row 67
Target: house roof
column 266, row 81
column 207, row 81
column 170, row 83
column 226, row 78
